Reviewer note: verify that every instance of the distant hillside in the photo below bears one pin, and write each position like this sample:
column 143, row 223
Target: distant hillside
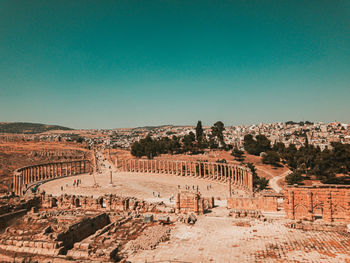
column 154, row 127
column 28, row 128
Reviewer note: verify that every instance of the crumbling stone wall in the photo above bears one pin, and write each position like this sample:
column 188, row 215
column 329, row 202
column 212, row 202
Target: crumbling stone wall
column 50, row 233
column 82, row 229
column 15, row 207
column 328, row 202
column 267, row 203
column 103, row 203
column 188, row 202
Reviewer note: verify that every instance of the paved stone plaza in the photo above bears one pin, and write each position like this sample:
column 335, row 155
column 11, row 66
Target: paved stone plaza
column 215, row 238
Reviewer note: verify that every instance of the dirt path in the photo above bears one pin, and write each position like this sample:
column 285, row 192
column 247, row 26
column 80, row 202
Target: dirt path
column 274, row 181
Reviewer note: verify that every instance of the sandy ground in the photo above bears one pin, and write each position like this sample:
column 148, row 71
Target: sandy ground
column 134, row 184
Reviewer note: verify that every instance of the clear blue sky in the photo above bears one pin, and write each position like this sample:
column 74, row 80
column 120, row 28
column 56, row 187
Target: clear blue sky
column 108, row 64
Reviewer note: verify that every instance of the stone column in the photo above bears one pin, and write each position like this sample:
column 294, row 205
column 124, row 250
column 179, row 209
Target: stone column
column 16, row 184
column 39, row 172
column 310, row 209
column 46, row 171
column 291, row 211
column 27, row 175
column 212, row 171
column 241, row 177
column 224, row 173
column 14, row 189
column 20, row 184
column 24, row 172
column 200, row 169
column 204, row 170
column 35, row 174
column 250, row 176
column 237, row 175
column 235, row 171
column 218, row 172
column 53, row 172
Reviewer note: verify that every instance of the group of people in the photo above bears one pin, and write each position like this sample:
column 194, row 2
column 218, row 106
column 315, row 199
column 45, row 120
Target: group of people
column 187, row 187
column 76, row 183
column 156, row 194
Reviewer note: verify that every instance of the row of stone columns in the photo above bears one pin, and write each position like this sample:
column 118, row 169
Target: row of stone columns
column 28, row 175
column 228, row 173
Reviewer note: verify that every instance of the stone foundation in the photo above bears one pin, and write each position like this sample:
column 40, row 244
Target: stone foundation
column 266, row 203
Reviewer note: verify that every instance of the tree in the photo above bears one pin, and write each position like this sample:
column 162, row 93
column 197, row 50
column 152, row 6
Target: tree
column 188, row 141
column 294, row 178
column 258, row 145
column 263, row 144
column 259, row 183
column 271, row 157
column 199, row 132
column 238, row 154
column 217, row 133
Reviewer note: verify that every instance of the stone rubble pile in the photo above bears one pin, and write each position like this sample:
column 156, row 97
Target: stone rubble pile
column 150, row 238
column 242, row 213
column 187, row 219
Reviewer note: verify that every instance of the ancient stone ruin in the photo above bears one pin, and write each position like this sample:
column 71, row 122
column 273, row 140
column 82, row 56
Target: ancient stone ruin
column 328, row 202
